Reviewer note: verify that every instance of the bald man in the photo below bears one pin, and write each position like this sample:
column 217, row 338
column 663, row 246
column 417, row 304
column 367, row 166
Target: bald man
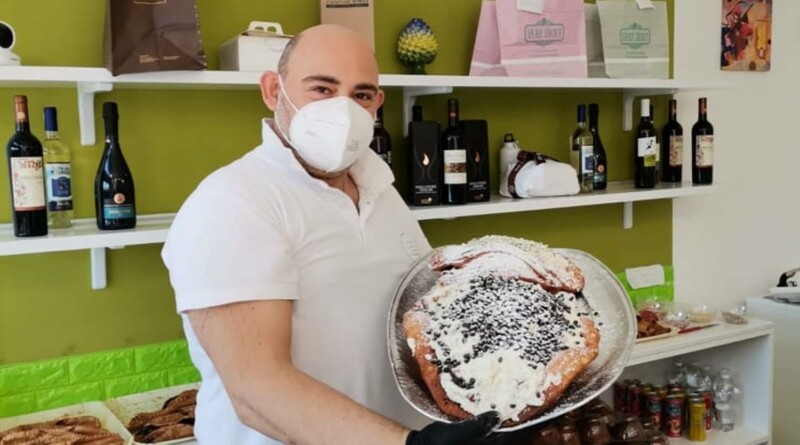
column 284, row 264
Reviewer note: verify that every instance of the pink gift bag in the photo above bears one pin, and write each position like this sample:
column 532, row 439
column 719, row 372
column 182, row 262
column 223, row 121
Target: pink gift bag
column 547, row 44
column 486, row 53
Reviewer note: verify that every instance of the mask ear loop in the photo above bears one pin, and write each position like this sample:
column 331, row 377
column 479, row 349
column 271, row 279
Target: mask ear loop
column 277, row 121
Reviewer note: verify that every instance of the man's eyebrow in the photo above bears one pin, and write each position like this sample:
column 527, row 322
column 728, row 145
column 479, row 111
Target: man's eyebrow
column 334, row 81
column 367, row 86
column 322, row 78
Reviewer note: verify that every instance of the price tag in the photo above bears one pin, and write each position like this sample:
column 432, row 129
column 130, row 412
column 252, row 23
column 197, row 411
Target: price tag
column 534, row 6
column 645, row 4
column 649, row 276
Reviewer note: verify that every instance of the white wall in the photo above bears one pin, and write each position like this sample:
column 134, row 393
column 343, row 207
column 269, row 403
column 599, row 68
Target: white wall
column 734, row 244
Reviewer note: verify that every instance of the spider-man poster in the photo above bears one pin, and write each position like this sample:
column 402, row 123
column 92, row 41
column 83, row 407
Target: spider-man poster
column 746, row 35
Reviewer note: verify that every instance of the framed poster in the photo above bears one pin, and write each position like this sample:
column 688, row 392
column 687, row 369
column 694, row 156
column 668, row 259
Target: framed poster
column 746, row 35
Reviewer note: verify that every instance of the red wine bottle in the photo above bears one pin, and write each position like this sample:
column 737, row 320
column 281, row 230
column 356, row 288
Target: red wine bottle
column 115, row 197
column 26, row 174
column 645, row 150
column 381, row 140
column 703, row 147
column 454, row 190
column 672, row 147
column 601, row 162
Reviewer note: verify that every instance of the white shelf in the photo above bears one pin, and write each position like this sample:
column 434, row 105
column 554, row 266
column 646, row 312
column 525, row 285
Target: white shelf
column 739, row 436
column 152, row 229
column 45, row 76
column 90, row 81
column 723, row 334
column 617, row 192
column 84, row 234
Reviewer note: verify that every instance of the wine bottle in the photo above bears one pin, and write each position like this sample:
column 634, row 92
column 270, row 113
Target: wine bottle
column 600, row 161
column 115, row 198
column 26, row 174
column 424, row 162
column 658, row 144
column 645, row 150
column 454, row 190
column 672, row 147
column 381, row 140
column 703, row 147
column 57, row 173
column 582, row 154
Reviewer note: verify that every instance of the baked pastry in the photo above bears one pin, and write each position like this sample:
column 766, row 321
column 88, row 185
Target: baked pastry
column 81, row 430
column 504, row 328
column 175, row 420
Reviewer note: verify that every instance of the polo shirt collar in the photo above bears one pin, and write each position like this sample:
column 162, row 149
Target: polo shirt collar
column 370, row 173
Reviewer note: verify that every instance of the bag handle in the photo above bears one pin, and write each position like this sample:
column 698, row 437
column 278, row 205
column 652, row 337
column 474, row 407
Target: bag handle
column 266, row 27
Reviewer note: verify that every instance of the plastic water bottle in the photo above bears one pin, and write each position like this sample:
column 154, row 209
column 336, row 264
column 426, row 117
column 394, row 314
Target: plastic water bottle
column 678, row 375
column 705, row 381
column 723, row 400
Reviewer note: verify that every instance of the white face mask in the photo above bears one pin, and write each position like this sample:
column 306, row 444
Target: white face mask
column 329, row 134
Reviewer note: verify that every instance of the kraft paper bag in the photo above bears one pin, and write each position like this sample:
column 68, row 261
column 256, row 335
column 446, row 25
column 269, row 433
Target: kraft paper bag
column 635, row 38
column 152, row 35
column 542, row 38
column 486, row 53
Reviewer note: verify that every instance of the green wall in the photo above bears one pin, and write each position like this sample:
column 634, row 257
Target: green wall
column 172, row 139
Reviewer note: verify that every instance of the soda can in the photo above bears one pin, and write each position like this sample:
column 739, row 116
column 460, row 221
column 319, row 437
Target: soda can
column 621, row 397
column 634, row 400
column 655, row 408
column 673, row 420
column 708, row 398
column 675, row 387
column 647, row 389
column 662, row 390
column 697, row 420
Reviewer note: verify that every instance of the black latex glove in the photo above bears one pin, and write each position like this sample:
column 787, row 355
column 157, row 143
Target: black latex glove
column 467, row 432
column 512, row 438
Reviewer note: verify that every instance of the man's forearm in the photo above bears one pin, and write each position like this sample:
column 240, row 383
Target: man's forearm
column 290, row 406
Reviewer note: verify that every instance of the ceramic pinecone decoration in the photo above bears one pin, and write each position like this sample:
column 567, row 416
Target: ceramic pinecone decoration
column 417, row 46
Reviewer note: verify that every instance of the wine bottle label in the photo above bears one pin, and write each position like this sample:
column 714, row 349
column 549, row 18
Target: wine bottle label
column 704, row 154
column 455, row 167
column 117, row 211
column 675, row 151
column 27, row 182
column 58, row 180
column 646, row 148
column 587, row 160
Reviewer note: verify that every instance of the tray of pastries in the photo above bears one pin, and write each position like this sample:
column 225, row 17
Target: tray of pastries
column 164, row 416
column 84, row 424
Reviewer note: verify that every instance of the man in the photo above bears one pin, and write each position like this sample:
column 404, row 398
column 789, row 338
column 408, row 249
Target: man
column 284, row 264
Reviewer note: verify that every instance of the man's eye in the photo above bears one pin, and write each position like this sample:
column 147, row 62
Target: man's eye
column 364, row 96
column 322, row 90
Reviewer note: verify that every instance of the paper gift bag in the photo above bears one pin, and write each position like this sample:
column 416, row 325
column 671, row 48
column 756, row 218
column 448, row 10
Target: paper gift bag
column 152, row 35
column 543, row 38
column 635, row 38
column 486, row 53
column 594, row 42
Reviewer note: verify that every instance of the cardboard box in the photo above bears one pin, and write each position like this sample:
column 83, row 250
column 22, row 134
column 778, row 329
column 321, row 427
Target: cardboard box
column 358, row 15
column 257, row 49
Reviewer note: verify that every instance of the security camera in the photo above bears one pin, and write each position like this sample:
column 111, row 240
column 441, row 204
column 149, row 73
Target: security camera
column 7, row 41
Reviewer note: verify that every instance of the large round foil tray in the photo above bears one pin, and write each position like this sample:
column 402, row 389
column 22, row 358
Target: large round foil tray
column 617, row 326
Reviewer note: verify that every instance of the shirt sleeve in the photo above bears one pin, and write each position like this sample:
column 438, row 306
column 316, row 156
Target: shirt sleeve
column 222, row 250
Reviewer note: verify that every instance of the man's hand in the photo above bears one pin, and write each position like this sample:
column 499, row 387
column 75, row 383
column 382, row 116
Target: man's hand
column 468, row 432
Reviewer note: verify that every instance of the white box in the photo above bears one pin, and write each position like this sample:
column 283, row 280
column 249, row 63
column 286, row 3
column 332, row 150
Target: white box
column 257, row 49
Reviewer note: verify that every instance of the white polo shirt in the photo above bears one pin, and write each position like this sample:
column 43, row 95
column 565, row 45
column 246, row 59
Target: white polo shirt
column 261, row 228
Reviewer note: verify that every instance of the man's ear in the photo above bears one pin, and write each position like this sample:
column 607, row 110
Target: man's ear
column 380, row 98
column 270, row 89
